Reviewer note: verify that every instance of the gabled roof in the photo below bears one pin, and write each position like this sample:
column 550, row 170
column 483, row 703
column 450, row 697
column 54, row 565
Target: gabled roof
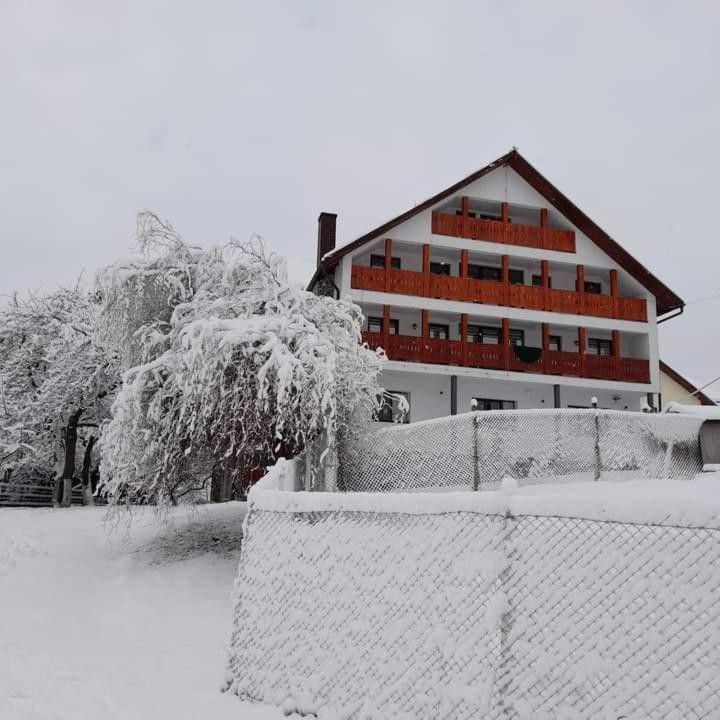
column 666, row 299
column 686, row 384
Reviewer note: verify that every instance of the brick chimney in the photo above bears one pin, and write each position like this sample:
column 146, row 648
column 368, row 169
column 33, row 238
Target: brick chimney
column 326, row 234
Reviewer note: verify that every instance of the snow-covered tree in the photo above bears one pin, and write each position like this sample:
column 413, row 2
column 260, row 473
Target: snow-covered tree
column 55, row 384
column 237, row 365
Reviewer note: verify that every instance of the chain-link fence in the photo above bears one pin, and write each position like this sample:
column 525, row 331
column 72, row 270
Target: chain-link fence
column 476, row 450
column 420, row 607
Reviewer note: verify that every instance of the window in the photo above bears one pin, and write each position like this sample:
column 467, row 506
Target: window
column 439, row 331
column 594, row 288
column 596, row 346
column 491, row 335
column 487, row 335
column 375, row 325
column 484, row 272
column 554, row 343
column 440, row 268
column 516, row 277
column 517, row 337
column 487, row 404
column 537, row 281
column 378, row 261
column 394, row 407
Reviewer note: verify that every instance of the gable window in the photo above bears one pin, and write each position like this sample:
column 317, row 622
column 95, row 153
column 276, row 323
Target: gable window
column 439, row 331
column 554, row 343
column 375, row 325
column 378, row 261
column 537, row 281
column 394, row 407
column 440, row 268
column 597, row 346
column 594, row 288
column 488, row 404
column 516, row 277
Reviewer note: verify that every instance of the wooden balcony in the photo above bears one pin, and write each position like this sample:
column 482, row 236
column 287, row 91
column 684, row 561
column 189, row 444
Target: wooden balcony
column 406, row 348
column 489, row 292
column 507, row 233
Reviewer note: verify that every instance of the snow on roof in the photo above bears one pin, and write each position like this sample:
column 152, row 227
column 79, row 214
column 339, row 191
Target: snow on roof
column 709, row 412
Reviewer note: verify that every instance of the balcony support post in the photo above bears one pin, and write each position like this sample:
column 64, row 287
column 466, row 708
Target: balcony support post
column 388, row 262
column 453, row 394
column 505, row 278
column 386, row 329
column 467, row 293
column 545, row 278
column 582, row 342
column 426, row 269
column 465, row 212
column 580, row 283
column 505, row 217
column 426, row 324
column 464, row 336
column 545, row 346
column 543, row 227
column 505, row 341
column 616, row 354
column 614, row 292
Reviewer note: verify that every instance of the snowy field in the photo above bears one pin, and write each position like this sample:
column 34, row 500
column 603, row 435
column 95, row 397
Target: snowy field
column 94, row 624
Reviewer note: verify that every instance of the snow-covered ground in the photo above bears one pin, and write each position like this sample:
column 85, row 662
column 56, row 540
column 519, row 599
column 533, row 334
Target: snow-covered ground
column 97, row 625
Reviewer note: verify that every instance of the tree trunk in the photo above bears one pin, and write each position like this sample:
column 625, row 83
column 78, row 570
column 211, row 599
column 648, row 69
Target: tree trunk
column 87, row 490
column 70, row 442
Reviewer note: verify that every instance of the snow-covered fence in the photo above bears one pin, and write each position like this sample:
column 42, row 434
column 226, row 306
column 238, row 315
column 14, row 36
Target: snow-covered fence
column 477, row 450
column 29, row 495
column 543, row 605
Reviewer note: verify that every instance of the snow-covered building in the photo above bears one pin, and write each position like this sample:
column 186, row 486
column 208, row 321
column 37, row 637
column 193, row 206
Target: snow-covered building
column 499, row 293
column 674, row 388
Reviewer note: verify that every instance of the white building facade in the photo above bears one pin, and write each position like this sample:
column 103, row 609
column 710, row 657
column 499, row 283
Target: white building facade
column 498, row 293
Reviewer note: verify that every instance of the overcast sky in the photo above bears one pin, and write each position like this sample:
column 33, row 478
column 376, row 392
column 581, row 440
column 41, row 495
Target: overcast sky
column 237, row 117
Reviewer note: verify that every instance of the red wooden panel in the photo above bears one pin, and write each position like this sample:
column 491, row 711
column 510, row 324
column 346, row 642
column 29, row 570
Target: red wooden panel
column 367, row 278
column 485, row 356
column 563, row 363
column 601, row 367
column 598, row 305
column 565, row 301
column 447, row 287
column 632, row 309
column 405, row 282
column 500, row 232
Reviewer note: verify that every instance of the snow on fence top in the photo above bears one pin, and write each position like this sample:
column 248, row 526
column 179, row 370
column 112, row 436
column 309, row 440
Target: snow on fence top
column 586, row 601
column 475, row 451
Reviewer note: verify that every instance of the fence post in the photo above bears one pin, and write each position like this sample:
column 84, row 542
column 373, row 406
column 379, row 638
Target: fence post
column 476, row 455
column 597, row 439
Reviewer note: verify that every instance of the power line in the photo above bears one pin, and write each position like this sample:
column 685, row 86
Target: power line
column 704, row 299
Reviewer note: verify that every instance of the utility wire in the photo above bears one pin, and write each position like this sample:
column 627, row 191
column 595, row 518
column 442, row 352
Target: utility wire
column 704, row 299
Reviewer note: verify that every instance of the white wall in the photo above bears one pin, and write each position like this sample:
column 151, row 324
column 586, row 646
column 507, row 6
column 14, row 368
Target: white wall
column 430, row 394
column 501, row 185
column 672, row 391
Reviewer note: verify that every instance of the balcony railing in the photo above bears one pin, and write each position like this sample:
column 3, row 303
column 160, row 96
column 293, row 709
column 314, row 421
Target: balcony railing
column 507, row 233
column 408, row 348
column 490, row 292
